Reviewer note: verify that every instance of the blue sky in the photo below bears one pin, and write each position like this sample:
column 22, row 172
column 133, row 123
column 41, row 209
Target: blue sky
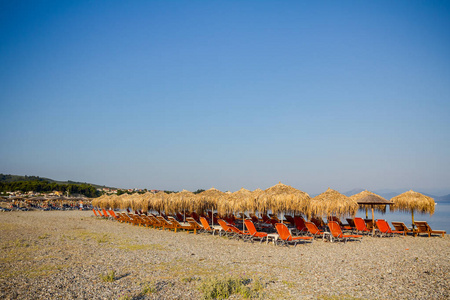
column 194, row 94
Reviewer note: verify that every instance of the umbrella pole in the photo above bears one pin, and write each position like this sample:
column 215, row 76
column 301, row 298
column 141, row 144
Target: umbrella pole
column 412, row 217
column 367, row 213
column 373, row 221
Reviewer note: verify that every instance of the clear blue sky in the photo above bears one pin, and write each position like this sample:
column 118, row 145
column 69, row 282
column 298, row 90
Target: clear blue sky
column 227, row 94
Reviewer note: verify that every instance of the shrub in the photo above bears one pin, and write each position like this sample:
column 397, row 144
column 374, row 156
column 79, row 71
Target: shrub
column 109, row 277
column 148, row 289
column 223, row 288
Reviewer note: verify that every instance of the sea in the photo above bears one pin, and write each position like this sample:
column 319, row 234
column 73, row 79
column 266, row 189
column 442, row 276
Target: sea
column 440, row 220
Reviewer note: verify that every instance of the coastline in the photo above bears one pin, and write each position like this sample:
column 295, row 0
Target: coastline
column 52, row 254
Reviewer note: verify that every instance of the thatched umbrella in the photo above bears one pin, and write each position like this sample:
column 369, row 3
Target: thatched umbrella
column 241, row 200
column 332, row 202
column 210, row 198
column 97, row 201
column 181, row 201
column 372, row 199
column 145, row 200
column 412, row 201
column 252, row 200
column 380, row 208
column 136, row 202
column 124, row 201
column 157, row 202
column 283, row 198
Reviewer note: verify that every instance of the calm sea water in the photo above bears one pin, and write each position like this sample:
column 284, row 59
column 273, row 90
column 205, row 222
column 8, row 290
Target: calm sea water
column 440, row 220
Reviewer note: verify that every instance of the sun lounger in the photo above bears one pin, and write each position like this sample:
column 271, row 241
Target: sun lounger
column 383, row 228
column 229, row 220
column 314, row 231
column 105, row 213
column 240, row 234
column 337, row 220
column 226, row 228
column 361, row 226
column 208, row 228
column 135, row 219
column 289, row 219
column 254, row 234
column 336, row 233
column 178, row 225
column 286, row 238
column 129, row 218
column 179, row 217
column 401, row 227
column 318, row 222
column 195, row 216
column 148, row 222
column 113, row 215
column 300, row 225
column 254, row 218
column 274, row 218
column 351, row 223
column 197, row 227
column 268, row 220
column 156, row 223
column 123, row 217
column 423, row 227
column 166, row 224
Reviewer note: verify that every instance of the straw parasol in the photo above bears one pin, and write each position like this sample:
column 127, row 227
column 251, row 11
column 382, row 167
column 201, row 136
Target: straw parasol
column 372, row 199
column 411, row 201
column 377, row 207
column 136, row 202
column 282, row 198
column 241, row 200
column 157, row 202
column 182, row 201
column 210, row 199
column 124, row 201
column 332, row 202
column 237, row 201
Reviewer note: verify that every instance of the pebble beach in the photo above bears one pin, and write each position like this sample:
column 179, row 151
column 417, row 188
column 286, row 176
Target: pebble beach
column 74, row 255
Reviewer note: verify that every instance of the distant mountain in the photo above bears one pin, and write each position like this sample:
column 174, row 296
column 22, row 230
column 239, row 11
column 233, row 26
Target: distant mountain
column 388, row 195
column 8, row 178
column 445, row 198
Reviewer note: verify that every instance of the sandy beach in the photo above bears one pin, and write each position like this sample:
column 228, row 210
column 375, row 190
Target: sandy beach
column 74, row 255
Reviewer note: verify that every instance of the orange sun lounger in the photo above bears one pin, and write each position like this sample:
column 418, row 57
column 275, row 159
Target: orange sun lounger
column 285, row 236
column 361, row 226
column 336, row 233
column 207, row 227
column 254, row 234
column 313, row 230
column 383, row 228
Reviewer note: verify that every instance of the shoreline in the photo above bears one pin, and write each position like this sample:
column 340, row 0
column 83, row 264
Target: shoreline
column 51, row 254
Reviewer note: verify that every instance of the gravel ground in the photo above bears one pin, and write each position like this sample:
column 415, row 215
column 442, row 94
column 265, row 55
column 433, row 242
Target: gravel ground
column 67, row 255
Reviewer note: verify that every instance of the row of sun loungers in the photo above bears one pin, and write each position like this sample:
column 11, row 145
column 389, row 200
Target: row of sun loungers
column 304, row 231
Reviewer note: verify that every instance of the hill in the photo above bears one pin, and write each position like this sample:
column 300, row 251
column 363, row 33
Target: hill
column 8, row 178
